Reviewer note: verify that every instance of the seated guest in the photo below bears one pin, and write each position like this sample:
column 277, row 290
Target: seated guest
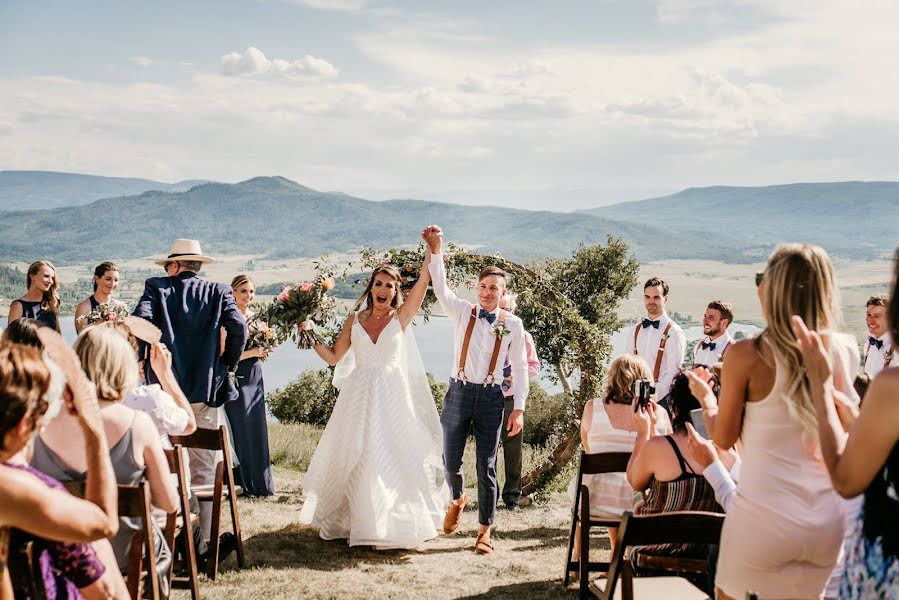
column 164, row 401
column 867, row 462
column 784, row 526
column 717, row 318
column 879, row 352
column 607, row 426
column 664, row 468
column 36, row 508
column 134, row 444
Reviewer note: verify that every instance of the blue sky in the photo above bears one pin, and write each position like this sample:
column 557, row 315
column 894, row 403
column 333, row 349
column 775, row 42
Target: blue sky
column 556, row 105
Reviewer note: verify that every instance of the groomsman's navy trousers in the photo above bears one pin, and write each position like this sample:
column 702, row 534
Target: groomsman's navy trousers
column 466, row 405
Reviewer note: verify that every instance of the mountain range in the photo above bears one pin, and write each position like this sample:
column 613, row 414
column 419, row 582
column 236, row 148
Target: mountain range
column 48, row 189
column 278, row 218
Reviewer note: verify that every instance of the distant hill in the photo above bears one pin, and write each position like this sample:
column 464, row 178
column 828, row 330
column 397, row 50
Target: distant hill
column 276, row 217
column 855, row 219
column 47, row 189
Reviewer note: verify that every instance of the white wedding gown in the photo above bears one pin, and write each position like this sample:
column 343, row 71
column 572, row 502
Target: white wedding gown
column 376, row 477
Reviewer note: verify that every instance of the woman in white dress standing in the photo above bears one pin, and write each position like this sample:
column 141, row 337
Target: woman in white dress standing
column 376, row 478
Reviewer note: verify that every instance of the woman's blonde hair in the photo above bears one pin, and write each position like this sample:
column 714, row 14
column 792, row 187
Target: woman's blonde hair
column 798, row 280
column 625, row 370
column 108, row 360
column 50, row 299
column 240, row 280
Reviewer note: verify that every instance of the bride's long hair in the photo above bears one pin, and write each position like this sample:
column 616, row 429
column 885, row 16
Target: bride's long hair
column 366, row 300
column 798, row 280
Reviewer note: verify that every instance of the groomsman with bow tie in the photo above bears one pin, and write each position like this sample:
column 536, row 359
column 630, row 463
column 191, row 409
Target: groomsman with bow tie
column 717, row 318
column 880, row 352
column 658, row 340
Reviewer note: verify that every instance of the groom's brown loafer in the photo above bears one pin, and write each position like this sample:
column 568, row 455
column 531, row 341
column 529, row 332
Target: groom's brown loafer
column 454, row 515
column 483, row 545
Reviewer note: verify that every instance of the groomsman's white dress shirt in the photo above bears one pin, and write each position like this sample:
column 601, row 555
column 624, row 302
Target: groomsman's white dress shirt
column 875, row 357
column 710, row 356
column 648, row 341
column 480, row 348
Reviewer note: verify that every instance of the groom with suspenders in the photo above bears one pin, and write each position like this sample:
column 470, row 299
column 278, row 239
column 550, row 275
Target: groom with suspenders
column 658, row 340
column 485, row 337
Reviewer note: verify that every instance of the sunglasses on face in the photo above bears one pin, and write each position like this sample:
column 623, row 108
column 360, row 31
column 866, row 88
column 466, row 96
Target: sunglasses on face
column 758, row 278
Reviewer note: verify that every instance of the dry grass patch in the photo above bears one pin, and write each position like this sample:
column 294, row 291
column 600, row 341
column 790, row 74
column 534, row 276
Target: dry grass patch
column 288, row 560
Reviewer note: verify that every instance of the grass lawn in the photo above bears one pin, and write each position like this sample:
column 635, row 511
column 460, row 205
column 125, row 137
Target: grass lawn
column 288, row 560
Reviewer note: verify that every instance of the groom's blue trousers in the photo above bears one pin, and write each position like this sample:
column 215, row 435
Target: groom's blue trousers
column 466, row 405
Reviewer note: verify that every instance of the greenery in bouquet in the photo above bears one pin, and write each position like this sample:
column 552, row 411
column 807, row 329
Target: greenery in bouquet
column 303, row 303
column 114, row 311
column 260, row 334
column 408, row 262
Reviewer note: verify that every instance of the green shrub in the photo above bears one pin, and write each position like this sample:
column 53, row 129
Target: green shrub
column 310, row 398
column 544, row 415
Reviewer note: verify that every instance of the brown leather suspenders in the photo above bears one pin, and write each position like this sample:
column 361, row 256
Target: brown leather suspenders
column 661, row 353
column 489, row 380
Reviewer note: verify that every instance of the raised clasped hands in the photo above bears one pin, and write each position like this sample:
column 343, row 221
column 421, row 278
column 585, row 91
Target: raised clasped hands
column 433, row 237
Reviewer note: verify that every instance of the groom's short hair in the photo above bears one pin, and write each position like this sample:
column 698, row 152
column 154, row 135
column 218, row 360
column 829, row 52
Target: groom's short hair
column 491, row 270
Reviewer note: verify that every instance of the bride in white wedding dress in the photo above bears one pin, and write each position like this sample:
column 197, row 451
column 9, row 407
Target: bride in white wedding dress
column 376, row 477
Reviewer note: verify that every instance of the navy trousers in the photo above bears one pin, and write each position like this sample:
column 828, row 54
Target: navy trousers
column 466, row 405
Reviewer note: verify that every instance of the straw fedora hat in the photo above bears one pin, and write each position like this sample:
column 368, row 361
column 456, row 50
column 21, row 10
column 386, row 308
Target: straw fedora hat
column 185, row 250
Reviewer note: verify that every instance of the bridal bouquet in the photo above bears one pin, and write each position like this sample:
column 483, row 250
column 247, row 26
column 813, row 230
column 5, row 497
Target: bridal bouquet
column 260, row 334
column 106, row 312
column 305, row 302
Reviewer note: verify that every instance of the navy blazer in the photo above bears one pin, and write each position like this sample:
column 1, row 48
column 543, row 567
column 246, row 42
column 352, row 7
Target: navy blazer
column 191, row 313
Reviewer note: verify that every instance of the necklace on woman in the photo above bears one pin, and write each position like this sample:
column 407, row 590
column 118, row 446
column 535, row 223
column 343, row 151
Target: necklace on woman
column 379, row 317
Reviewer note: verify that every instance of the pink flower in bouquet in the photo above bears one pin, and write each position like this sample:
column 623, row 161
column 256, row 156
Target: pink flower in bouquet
column 111, row 317
column 284, row 295
column 307, row 286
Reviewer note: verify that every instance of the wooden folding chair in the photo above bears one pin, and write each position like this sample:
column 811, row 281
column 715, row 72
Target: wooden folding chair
column 590, row 464
column 25, row 572
column 223, row 486
column 134, row 502
column 666, row 528
column 177, row 458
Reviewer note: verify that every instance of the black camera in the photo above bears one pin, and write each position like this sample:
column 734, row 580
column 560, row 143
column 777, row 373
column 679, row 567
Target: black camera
column 642, row 389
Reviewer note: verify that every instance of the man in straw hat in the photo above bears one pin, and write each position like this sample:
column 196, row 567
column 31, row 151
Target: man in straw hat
column 191, row 312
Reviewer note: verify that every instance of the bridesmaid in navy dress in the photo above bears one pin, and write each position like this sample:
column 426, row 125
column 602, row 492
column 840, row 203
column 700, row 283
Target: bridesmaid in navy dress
column 246, row 415
column 106, row 281
column 42, row 300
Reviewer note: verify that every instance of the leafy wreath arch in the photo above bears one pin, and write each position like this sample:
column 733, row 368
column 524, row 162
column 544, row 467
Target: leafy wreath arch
column 569, row 305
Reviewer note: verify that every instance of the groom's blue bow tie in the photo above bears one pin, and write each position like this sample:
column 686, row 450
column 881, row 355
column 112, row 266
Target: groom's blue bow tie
column 647, row 323
column 875, row 342
column 483, row 314
column 708, row 345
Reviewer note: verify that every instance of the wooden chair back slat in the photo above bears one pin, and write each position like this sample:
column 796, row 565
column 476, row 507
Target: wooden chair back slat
column 589, row 464
column 217, row 439
column 134, row 502
column 177, row 458
column 692, row 527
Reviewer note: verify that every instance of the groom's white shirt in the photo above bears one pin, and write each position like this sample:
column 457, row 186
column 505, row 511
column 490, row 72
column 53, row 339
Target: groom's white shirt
column 480, row 348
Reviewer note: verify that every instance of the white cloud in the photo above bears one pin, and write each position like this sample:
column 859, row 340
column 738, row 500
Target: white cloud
column 254, row 62
column 142, row 61
column 331, row 5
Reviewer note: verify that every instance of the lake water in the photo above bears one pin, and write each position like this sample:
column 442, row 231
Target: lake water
column 435, row 342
